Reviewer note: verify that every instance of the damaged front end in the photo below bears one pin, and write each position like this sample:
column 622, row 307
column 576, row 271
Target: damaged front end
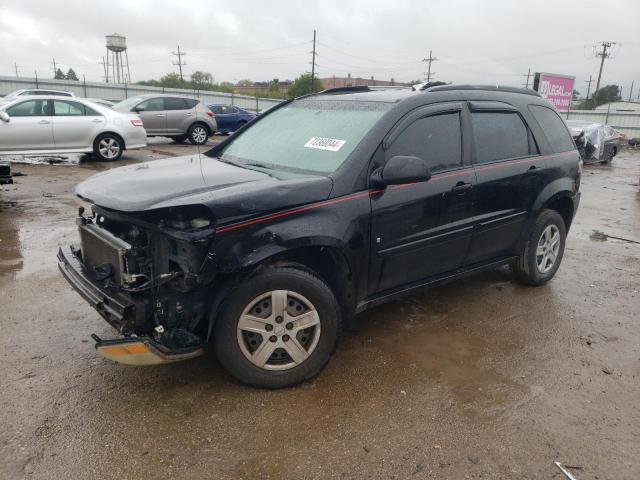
column 147, row 275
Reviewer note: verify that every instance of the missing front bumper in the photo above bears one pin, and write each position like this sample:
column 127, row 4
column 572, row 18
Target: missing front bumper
column 142, row 351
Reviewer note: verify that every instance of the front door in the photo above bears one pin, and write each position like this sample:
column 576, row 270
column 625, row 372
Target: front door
column 421, row 230
column 153, row 115
column 509, row 172
column 75, row 125
column 29, row 127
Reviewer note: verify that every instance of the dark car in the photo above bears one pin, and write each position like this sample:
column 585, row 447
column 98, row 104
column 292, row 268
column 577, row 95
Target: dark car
column 230, row 118
column 324, row 206
column 5, row 173
column 596, row 142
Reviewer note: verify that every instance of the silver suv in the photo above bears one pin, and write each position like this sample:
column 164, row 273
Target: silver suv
column 174, row 116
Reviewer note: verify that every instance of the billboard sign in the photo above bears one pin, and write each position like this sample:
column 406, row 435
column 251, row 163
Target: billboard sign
column 557, row 89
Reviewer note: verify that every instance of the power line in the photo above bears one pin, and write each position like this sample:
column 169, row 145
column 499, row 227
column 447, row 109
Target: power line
column 180, row 63
column 429, row 60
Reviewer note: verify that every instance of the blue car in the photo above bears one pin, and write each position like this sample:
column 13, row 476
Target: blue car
column 229, row 117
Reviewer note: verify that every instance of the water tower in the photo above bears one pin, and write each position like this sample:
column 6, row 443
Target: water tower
column 117, row 45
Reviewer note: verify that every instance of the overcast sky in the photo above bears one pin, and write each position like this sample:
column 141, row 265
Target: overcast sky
column 475, row 41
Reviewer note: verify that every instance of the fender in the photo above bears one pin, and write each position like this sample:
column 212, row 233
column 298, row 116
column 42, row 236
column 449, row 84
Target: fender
column 561, row 187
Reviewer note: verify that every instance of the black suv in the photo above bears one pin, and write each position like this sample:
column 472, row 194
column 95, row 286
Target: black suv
column 322, row 207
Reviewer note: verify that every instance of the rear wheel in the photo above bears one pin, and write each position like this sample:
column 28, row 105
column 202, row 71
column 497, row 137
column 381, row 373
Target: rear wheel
column 542, row 250
column 278, row 328
column 198, row 134
column 108, row 147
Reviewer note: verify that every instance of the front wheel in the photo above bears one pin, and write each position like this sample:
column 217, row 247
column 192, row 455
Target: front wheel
column 278, row 328
column 541, row 252
column 198, row 134
column 108, row 147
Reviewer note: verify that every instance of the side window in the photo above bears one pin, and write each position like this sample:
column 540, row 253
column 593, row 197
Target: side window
column 554, row 128
column 436, row 139
column 30, row 108
column 173, row 103
column 191, row 102
column 217, row 109
column 68, row 109
column 500, row 135
column 152, row 105
column 232, row 110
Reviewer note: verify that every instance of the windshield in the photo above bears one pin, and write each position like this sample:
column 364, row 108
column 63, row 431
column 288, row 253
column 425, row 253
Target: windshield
column 127, row 105
column 309, row 135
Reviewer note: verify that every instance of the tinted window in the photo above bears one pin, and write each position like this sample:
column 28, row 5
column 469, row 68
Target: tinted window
column 67, row 109
column 30, row 108
column 222, row 109
column 191, row 102
column 554, row 128
column 436, row 139
column 171, row 103
column 152, row 105
column 500, row 135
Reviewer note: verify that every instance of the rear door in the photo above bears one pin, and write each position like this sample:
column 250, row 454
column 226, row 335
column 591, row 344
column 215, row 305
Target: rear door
column 180, row 115
column 75, row 125
column 509, row 172
column 29, row 127
column 420, row 230
column 153, row 115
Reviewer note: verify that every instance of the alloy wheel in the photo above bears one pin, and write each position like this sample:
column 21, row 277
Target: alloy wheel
column 199, row 135
column 278, row 330
column 548, row 248
column 109, row 148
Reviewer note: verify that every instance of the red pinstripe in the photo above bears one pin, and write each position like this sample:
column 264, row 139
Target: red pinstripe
column 367, row 193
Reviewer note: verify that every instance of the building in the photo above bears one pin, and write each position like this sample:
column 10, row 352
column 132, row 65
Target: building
column 261, row 88
column 629, row 107
column 349, row 81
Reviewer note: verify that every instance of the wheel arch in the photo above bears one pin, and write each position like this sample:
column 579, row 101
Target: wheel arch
column 200, row 122
column 109, row 132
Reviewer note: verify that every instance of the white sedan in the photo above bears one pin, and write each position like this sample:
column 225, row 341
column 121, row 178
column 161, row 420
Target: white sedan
column 53, row 124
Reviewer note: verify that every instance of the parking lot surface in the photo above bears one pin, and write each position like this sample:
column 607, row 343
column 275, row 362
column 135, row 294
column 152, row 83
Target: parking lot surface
column 482, row 378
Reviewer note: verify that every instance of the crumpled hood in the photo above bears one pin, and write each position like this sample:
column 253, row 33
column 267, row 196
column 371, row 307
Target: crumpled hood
column 227, row 190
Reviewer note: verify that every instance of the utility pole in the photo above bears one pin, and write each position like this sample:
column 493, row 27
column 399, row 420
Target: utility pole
column 603, row 54
column 55, row 67
column 527, row 75
column 313, row 62
column 105, row 67
column 180, row 63
column 15, row 66
column 630, row 90
column 588, row 82
column 429, row 61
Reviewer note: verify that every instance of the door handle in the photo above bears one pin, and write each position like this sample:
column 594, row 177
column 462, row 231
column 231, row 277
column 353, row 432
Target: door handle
column 44, row 122
column 534, row 169
column 96, row 120
column 189, row 114
column 160, row 115
column 461, row 188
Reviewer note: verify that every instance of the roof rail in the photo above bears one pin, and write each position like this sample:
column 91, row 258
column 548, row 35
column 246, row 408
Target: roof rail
column 489, row 88
column 355, row 88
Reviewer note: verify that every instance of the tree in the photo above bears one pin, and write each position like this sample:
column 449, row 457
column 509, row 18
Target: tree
column 201, row 79
column 244, row 83
column 576, row 95
column 302, row 86
column 173, row 80
column 71, row 75
column 607, row 94
column 59, row 75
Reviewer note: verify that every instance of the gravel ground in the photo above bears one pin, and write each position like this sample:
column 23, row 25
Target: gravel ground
column 482, row 378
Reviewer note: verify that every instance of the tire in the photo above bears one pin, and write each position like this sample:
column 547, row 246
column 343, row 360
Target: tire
column 527, row 268
column 108, row 147
column 273, row 337
column 178, row 138
column 198, row 134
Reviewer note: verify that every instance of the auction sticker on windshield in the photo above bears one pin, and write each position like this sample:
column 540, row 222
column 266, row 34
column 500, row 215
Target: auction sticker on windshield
column 322, row 143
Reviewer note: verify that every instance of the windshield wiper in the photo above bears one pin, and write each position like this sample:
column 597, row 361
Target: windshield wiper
column 255, row 164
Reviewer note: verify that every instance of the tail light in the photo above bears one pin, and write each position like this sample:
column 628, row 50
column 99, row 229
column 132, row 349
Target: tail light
column 211, row 114
column 136, row 122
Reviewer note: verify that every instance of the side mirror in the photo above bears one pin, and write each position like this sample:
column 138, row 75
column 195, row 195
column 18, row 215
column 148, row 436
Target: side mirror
column 4, row 116
column 402, row 169
column 138, row 109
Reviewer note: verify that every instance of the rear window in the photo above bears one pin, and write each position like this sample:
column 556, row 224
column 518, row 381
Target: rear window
column 307, row 135
column 174, row 103
column 554, row 128
column 500, row 136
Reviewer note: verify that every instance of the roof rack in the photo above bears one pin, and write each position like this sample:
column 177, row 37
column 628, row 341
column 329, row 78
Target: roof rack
column 363, row 88
column 490, row 88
